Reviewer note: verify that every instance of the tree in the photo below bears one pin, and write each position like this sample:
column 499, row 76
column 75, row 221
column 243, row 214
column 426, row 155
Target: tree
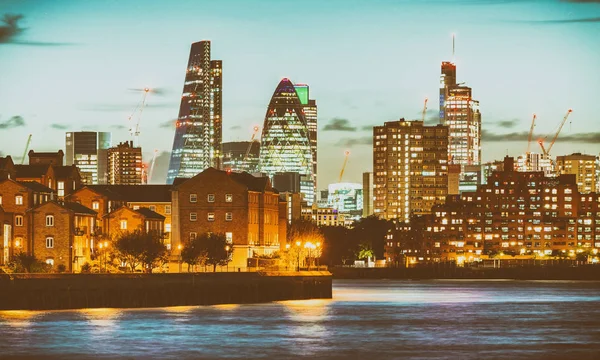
column 305, row 240
column 141, row 248
column 370, row 232
column 339, row 247
column 24, row 262
column 216, row 248
column 193, row 253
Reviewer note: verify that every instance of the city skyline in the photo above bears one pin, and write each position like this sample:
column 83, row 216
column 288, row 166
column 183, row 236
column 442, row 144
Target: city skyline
column 522, row 50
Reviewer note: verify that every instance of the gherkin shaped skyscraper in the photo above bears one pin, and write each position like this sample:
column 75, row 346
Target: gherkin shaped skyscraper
column 285, row 143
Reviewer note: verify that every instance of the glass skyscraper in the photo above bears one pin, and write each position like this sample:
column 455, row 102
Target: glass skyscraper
column 88, row 150
column 198, row 135
column 285, row 141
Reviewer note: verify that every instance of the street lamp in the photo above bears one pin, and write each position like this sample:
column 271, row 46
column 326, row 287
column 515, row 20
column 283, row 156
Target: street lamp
column 105, row 250
column 100, row 245
column 298, row 243
column 180, row 256
column 227, row 253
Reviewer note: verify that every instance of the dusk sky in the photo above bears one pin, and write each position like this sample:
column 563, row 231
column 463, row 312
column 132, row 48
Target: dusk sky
column 76, row 65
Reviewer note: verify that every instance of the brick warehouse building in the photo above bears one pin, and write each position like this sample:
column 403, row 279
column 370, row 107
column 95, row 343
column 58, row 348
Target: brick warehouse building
column 515, row 213
column 243, row 207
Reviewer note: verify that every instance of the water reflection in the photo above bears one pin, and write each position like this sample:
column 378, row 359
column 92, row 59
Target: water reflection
column 19, row 318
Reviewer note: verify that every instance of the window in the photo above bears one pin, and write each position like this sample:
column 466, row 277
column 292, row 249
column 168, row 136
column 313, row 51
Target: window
column 49, row 220
column 95, row 205
column 168, row 228
column 50, row 261
column 211, row 198
column 61, row 188
column 136, row 207
column 193, row 198
column 228, row 216
column 168, row 209
column 50, row 242
column 123, row 224
column 229, row 237
column 19, row 242
column 0, row 200
column 228, row 198
column 18, row 200
column 193, row 236
column 18, row 220
column 211, row 216
column 193, row 216
column 152, row 207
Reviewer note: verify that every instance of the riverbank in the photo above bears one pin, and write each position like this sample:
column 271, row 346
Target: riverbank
column 77, row 291
column 587, row 272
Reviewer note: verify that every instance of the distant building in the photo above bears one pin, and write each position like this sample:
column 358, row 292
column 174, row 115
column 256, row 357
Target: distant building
column 454, row 179
column 88, row 150
column 535, row 162
column 489, row 168
column 410, row 165
column 323, row 216
column 310, row 114
column 346, row 197
column 287, row 182
column 197, row 144
column 235, row 159
column 584, row 167
column 46, row 158
column 62, row 179
column 125, row 164
column 367, row 194
column 470, row 178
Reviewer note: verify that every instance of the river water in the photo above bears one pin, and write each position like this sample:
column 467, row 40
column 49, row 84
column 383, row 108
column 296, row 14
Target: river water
column 378, row 319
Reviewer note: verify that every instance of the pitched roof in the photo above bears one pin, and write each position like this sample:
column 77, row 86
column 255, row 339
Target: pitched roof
column 135, row 193
column 253, row 183
column 150, row 214
column 78, row 208
column 36, row 186
column 63, row 171
column 31, row 171
column 5, row 160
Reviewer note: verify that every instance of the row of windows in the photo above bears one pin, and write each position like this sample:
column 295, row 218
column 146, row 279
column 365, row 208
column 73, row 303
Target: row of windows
column 211, row 216
column 19, row 220
column 210, row 198
column 18, row 200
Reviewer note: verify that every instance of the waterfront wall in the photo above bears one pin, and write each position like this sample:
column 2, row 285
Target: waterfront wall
column 588, row 272
column 75, row 291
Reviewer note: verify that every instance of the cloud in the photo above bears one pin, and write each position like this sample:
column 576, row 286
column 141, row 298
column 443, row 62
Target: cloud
column 10, row 32
column 339, row 124
column 59, row 126
column 351, row 142
column 508, row 124
column 118, row 127
column 121, row 107
column 169, row 124
column 235, row 127
column 588, row 138
column 13, row 122
column 367, row 128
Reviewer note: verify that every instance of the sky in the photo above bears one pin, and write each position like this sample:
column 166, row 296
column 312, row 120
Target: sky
column 81, row 65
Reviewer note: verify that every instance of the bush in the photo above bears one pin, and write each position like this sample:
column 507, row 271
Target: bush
column 86, row 268
column 61, row 268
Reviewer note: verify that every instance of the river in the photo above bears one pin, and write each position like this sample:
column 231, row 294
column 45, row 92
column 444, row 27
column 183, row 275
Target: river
column 371, row 320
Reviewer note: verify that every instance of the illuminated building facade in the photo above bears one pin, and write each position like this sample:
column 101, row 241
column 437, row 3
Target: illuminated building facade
column 410, row 164
column 345, row 197
column 535, row 162
column 88, row 150
column 125, row 164
column 584, row 167
column 310, row 114
column 234, row 153
column 285, row 140
column 198, row 134
column 367, row 194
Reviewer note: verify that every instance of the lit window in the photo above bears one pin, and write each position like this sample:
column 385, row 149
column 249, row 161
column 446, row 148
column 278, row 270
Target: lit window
column 152, row 207
column 228, row 216
column 193, row 198
column 18, row 200
column 211, row 216
column 193, row 236
column 50, row 242
column 49, row 220
column 50, row 261
column 61, row 188
column 228, row 198
column 0, row 200
column 136, row 207
column 95, row 205
column 19, row 220
column 193, row 216
column 211, row 198
column 229, row 237
column 167, row 227
column 123, row 224
column 168, row 209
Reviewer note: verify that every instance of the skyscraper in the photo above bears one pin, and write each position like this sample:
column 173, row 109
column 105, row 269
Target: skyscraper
column 125, row 164
column 285, row 140
column 410, row 166
column 235, row 159
column 88, row 150
column 198, row 136
column 310, row 114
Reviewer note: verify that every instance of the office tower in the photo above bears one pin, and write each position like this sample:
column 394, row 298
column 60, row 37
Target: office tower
column 310, row 114
column 410, row 165
column 447, row 80
column 198, row 134
column 532, row 162
column 346, row 197
column 235, row 158
column 88, row 150
column 287, row 182
column 125, row 164
column 285, row 142
column 584, row 167
column 367, row 194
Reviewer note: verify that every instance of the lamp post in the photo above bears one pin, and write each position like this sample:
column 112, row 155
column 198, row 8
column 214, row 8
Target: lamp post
column 180, row 257
column 309, row 246
column 227, row 253
column 298, row 243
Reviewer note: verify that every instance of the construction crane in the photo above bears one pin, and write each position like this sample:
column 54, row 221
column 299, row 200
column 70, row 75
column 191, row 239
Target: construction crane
column 541, row 142
column 424, row 110
column 152, row 165
column 135, row 130
column 346, row 153
column 530, row 134
column 252, row 140
column 26, row 148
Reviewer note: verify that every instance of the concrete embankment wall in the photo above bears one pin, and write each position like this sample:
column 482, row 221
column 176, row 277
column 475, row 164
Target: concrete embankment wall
column 588, row 272
column 75, row 291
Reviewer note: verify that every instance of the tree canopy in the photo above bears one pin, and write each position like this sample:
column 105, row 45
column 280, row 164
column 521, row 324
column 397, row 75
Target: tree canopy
column 141, row 248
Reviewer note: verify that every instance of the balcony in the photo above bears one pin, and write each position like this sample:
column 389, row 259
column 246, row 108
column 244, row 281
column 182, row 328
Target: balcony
column 80, row 231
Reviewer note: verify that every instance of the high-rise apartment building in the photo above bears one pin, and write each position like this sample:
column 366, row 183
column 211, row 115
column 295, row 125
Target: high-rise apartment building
column 367, row 194
column 584, row 167
column 88, row 150
column 235, row 158
column 285, row 140
column 198, row 135
column 125, row 164
column 410, row 165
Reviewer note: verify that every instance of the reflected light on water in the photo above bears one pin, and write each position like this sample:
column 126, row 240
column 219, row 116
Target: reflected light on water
column 19, row 318
column 103, row 320
column 227, row 307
